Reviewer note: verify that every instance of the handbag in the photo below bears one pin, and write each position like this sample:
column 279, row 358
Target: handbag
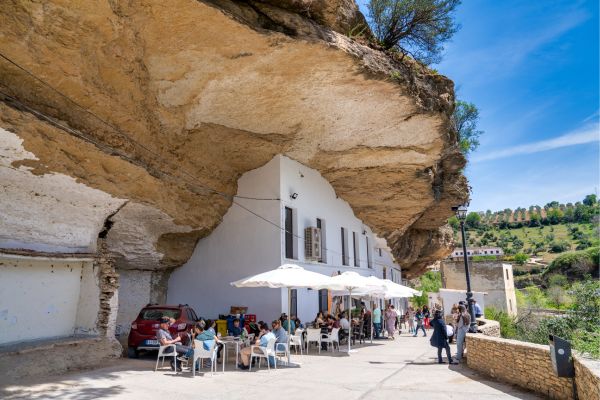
column 449, row 330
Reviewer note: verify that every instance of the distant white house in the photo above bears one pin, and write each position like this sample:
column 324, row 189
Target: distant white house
column 305, row 224
column 478, row 251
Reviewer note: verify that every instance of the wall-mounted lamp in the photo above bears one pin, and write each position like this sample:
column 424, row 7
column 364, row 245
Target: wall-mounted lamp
column 294, row 196
column 364, row 231
column 301, row 174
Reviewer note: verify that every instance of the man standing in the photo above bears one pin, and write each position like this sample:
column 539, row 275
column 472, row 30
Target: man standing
column 377, row 320
column 164, row 338
column 477, row 309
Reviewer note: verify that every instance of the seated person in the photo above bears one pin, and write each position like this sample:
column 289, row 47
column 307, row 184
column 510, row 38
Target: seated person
column 297, row 322
column 262, row 341
column 236, row 330
column 333, row 323
column 344, row 326
column 210, row 326
column 280, row 334
column 206, row 335
column 319, row 320
column 284, row 323
column 164, row 338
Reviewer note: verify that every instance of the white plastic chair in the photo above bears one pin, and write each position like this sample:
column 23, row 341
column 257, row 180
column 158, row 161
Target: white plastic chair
column 249, row 340
column 332, row 338
column 263, row 352
column 282, row 350
column 200, row 353
column 313, row 336
column 166, row 351
column 296, row 341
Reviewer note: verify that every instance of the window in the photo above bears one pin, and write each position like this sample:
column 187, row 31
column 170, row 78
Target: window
column 289, row 233
column 323, row 300
column 369, row 260
column 380, row 253
column 507, row 278
column 321, row 226
column 294, row 302
column 344, row 247
column 355, row 245
column 384, row 272
column 510, row 304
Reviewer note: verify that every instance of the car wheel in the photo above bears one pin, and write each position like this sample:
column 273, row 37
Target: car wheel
column 132, row 352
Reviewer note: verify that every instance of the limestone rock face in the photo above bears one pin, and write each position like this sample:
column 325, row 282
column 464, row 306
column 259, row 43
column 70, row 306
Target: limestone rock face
column 161, row 106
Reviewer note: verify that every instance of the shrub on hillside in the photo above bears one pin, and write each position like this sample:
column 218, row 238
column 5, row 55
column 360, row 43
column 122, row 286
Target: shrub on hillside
column 575, row 264
column 559, row 246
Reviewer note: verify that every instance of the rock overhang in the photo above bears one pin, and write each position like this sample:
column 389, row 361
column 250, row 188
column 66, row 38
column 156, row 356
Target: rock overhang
column 213, row 100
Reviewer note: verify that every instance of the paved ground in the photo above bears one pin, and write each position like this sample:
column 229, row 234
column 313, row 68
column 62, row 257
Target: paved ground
column 402, row 369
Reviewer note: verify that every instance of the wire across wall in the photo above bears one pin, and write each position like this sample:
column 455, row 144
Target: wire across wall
column 188, row 178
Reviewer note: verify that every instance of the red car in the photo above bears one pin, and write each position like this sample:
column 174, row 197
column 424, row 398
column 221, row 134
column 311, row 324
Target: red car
column 142, row 335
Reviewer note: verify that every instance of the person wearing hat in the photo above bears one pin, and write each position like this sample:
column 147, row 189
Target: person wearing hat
column 164, row 338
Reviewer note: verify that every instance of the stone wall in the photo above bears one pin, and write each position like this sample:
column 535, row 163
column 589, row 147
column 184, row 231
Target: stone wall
column 488, row 327
column 587, row 378
column 528, row 365
column 525, row 364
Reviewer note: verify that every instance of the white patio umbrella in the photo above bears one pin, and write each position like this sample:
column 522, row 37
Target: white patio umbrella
column 349, row 281
column 287, row 276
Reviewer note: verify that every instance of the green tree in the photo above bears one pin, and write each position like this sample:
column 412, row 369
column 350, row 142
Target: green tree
column 590, row 200
column 418, row 28
column 555, row 216
column 535, row 220
column 521, row 258
column 465, row 119
column 430, row 282
column 453, row 222
column 473, row 220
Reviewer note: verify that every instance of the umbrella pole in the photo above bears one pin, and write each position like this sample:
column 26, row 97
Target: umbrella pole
column 289, row 323
column 372, row 323
column 350, row 318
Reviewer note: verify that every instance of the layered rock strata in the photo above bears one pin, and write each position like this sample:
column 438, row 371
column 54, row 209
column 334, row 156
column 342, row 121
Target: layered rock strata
column 161, row 106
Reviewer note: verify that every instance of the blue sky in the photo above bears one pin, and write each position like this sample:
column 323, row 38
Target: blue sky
column 531, row 67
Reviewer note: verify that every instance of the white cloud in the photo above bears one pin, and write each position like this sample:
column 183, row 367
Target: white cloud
column 587, row 134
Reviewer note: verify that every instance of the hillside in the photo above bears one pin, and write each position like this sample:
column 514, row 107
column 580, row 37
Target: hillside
column 533, row 238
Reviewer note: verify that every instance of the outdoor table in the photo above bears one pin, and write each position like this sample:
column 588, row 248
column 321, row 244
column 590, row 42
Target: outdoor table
column 231, row 341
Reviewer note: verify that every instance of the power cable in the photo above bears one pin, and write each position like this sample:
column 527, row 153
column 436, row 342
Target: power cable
column 112, row 150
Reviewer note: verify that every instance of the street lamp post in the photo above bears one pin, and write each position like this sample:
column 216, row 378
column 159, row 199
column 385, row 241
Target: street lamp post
column 461, row 214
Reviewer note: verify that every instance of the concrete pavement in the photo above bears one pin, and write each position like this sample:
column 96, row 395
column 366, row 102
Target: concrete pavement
column 405, row 368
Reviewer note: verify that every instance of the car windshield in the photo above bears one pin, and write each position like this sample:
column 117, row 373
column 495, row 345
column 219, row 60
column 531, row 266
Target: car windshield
column 151, row 314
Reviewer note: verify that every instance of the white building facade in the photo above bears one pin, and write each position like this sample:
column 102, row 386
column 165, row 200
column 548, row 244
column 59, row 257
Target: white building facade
column 259, row 235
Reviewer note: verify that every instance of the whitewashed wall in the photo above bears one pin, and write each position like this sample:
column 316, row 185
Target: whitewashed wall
column 40, row 297
column 241, row 245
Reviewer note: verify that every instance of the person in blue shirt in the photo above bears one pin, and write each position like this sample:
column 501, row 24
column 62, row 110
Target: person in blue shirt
column 377, row 321
column 236, row 330
column 262, row 341
column 206, row 335
column 284, row 323
column 477, row 309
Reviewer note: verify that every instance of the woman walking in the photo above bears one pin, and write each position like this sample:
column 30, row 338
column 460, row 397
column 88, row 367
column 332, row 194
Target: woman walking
column 419, row 317
column 390, row 320
column 439, row 338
